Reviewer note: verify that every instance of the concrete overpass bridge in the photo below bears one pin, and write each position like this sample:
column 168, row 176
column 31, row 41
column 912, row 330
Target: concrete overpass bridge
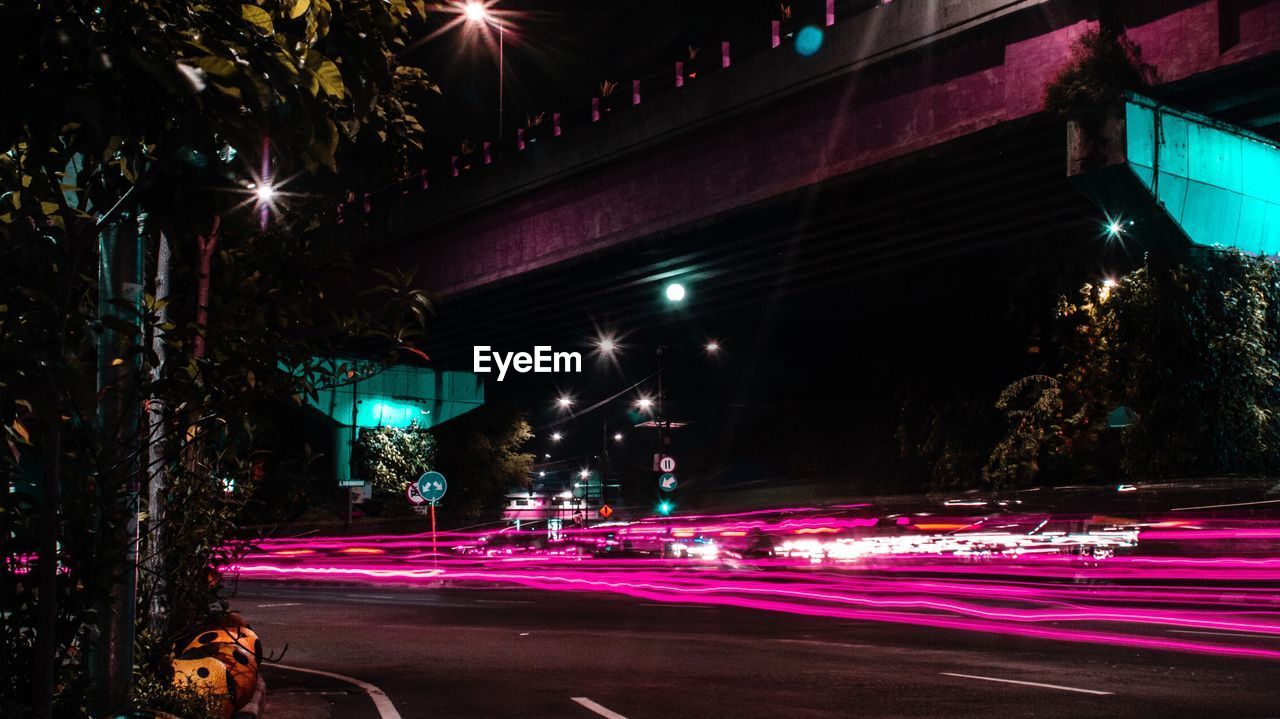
column 915, row 134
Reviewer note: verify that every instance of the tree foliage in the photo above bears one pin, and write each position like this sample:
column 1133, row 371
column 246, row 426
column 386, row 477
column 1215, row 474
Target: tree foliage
column 1190, row 345
column 153, row 120
column 1103, row 66
column 480, row 453
column 390, row 458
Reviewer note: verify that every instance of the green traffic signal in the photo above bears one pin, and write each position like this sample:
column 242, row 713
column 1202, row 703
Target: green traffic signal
column 664, row 508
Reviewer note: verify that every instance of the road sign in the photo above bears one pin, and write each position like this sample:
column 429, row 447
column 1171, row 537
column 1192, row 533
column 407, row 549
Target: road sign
column 667, row 464
column 667, row 482
column 432, row 486
column 606, row 511
column 361, row 493
column 422, row 508
column 350, row 482
column 415, row 497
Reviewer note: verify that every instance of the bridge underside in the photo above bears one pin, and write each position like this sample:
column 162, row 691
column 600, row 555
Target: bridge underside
column 1000, row 189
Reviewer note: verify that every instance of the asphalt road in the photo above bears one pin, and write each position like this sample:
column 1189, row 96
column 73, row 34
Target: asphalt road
column 438, row 652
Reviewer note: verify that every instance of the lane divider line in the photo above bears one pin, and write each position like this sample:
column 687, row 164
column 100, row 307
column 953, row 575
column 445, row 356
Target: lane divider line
column 1242, row 635
column 820, row 643
column 603, row 711
column 381, row 701
column 1027, row 684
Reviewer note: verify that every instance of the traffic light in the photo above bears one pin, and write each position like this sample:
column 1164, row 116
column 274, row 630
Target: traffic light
column 665, row 507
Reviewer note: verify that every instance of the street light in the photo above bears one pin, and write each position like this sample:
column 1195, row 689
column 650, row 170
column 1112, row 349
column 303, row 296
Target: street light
column 565, row 402
column 644, row 403
column 617, row 436
column 713, row 346
column 675, row 292
column 265, row 193
column 556, row 437
column 584, row 473
column 475, row 12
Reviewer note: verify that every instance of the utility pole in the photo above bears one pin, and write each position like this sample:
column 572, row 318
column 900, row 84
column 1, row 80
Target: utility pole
column 158, row 445
column 119, row 427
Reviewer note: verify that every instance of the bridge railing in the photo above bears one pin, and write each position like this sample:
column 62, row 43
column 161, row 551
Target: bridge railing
column 682, row 75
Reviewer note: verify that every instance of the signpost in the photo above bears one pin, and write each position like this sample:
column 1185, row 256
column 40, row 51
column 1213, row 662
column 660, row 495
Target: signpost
column 415, row 497
column 606, row 511
column 431, row 487
column 667, row 464
column 667, row 482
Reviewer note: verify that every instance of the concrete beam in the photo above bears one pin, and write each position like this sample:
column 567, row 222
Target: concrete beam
column 1219, row 185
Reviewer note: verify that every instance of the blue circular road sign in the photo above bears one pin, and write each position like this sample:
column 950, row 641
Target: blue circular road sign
column 432, row 486
column 667, row 482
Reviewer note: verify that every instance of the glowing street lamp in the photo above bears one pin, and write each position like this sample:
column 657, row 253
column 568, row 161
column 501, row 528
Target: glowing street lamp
column 675, row 292
column 645, row 404
column 475, row 12
column 565, row 402
column 617, row 436
column 556, row 437
column 713, row 346
column 265, row 193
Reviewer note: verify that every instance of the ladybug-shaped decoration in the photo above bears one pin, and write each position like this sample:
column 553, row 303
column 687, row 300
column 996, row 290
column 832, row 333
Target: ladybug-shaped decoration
column 209, row 676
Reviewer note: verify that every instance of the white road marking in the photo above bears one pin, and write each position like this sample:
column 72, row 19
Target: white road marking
column 502, row 601
column 281, row 604
column 601, row 710
column 819, row 643
column 1028, row 684
column 1221, row 506
column 369, row 596
column 524, row 634
column 381, row 701
column 1220, row 634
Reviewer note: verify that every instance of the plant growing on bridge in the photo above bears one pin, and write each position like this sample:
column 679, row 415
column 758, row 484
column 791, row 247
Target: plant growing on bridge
column 1104, row 65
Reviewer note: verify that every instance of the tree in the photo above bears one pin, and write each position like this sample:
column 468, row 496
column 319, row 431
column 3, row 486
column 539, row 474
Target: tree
column 146, row 128
column 1190, row 345
column 1194, row 349
column 480, row 454
column 390, row 457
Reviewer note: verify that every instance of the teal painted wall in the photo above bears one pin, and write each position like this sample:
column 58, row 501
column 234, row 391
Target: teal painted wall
column 1219, row 183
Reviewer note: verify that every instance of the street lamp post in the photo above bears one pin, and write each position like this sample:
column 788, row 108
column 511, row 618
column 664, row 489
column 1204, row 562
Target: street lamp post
column 477, row 12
